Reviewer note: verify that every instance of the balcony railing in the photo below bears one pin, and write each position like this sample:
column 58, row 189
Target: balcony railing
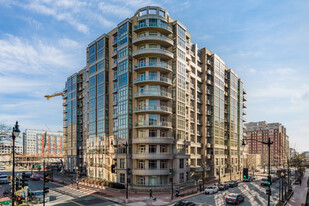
column 153, row 93
column 152, row 108
column 156, row 79
column 151, row 51
column 153, row 124
column 153, row 64
column 163, row 26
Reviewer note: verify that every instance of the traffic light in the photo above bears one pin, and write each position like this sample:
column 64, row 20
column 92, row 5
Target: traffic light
column 269, row 180
column 46, row 190
column 245, row 173
column 46, row 177
column 171, row 171
column 17, row 185
column 129, row 171
column 268, row 192
column 113, row 168
column 19, row 200
column 24, row 181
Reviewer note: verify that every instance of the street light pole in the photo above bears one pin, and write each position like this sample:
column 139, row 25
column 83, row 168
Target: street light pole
column 268, row 143
column 15, row 133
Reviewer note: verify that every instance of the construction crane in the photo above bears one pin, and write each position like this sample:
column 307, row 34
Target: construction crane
column 54, row 95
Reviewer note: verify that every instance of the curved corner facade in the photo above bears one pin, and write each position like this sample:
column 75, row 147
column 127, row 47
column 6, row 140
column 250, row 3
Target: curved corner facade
column 157, row 104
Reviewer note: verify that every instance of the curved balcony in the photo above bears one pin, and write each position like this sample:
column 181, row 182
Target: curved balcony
column 152, row 156
column 149, row 79
column 158, row 27
column 149, row 171
column 152, row 109
column 154, row 140
column 159, row 94
column 153, row 65
column 158, row 52
column 162, row 40
column 152, row 124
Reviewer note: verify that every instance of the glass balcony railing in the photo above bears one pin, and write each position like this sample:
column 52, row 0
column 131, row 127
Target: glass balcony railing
column 152, row 108
column 153, row 93
column 153, row 124
column 156, row 79
column 163, row 26
column 153, row 64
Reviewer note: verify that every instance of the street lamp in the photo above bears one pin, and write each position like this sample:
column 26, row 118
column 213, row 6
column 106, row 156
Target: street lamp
column 15, row 133
column 268, row 143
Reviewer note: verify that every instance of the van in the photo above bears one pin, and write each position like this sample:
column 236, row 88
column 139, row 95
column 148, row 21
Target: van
column 4, row 179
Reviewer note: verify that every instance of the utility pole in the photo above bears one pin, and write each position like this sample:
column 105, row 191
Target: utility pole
column 44, row 183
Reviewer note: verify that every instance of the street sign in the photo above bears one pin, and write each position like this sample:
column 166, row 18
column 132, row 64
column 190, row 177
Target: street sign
column 6, row 202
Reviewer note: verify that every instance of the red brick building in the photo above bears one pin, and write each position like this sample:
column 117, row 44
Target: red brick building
column 261, row 131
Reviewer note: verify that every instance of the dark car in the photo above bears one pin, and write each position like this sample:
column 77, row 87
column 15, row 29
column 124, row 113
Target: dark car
column 28, row 174
column 234, row 198
column 184, row 203
column 223, row 186
column 232, row 183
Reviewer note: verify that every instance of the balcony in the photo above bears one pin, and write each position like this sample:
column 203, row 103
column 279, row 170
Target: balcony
column 244, row 91
column 159, row 27
column 115, row 77
column 114, row 54
column 209, row 72
column 198, row 89
column 162, row 40
column 150, row 171
column 209, row 82
column 115, row 89
column 153, row 156
column 159, row 93
column 152, row 124
column 154, row 140
column 158, row 52
column 115, row 102
column 115, row 116
column 153, row 65
column 244, row 113
column 199, row 110
column 114, row 66
column 150, row 109
column 244, row 98
column 208, row 145
column 149, row 79
column 244, row 105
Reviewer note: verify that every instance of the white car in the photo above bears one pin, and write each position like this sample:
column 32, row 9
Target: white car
column 4, row 179
column 211, row 190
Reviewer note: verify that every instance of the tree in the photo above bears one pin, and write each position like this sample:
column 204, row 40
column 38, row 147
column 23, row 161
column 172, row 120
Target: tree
column 4, row 129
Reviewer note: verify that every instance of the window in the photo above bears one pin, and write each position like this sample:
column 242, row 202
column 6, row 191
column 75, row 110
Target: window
column 92, row 70
column 91, row 50
column 92, row 116
column 100, row 101
column 181, row 54
column 163, row 149
column 123, row 80
column 92, row 93
column 100, row 114
column 140, row 180
column 153, row 119
column 123, row 40
column 122, row 163
column 141, row 149
column 91, row 59
column 101, row 89
column 163, row 164
column 152, row 22
column 181, row 163
column 92, row 81
column 100, row 65
column 100, row 44
column 100, row 78
column 122, row 29
column 92, row 104
column 181, row 32
column 122, row 178
column 122, row 67
column 152, row 61
column 181, row 177
column 123, row 52
column 100, row 54
column 152, row 133
column 152, row 164
column 140, row 164
column 152, row 148
column 101, row 126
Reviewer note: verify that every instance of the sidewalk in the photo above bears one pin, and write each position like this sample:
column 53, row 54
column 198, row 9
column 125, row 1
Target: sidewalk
column 299, row 190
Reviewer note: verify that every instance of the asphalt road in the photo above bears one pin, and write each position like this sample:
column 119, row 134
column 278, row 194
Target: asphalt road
column 253, row 192
column 64, row 196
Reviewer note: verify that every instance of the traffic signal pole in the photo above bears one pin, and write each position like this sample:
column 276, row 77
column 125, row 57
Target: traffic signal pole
column 44, row 183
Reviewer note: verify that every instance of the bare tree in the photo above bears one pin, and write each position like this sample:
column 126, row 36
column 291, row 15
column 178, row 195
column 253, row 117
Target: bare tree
column 4, row 128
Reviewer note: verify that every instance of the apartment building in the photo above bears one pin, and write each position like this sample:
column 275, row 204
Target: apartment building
column 153, row 101
column 6, row 145
column 261, row 131
column 73, row 125
column 42, row 142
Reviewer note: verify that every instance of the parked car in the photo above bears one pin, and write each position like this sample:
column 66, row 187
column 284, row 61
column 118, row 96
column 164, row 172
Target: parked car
column 232, row 183
column 264, row 181
column 223, row 186
column 4, row 179
column 275, row 178
column 28, row 174
column 272, row 171
column 37, row 197
column 7, row 193
column 35, row 177
column 234, row 198
column 211, row 190
column 184, row 203
column 248, row 179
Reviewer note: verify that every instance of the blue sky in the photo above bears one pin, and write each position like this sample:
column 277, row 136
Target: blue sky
column 265, row 42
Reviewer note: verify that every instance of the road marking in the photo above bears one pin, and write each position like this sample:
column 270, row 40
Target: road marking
column 76, row 203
